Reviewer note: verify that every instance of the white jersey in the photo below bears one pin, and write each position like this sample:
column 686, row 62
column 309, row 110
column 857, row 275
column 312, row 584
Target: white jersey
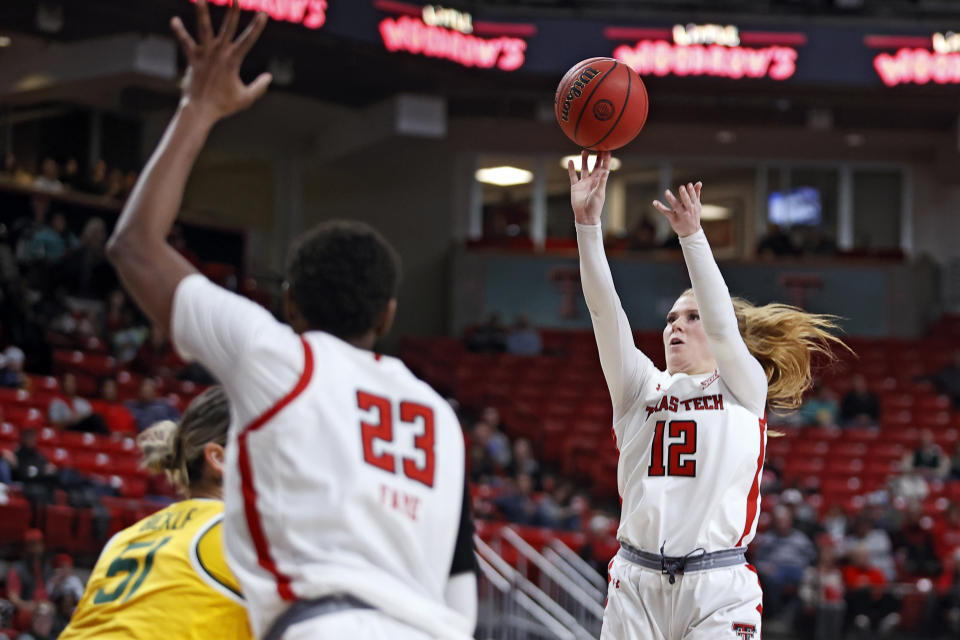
column 691, row 447
column 344, row 472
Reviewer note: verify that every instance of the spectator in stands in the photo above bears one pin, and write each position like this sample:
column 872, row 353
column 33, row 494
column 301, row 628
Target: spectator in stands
column 481, row 465
column 7, row 462
column 117, row 417
column 517, row 503
column 524, row 340
column 947, row 380
column 49, row 178
column 524, row 462
column 821, row 408
column 866, row 535
column 643, row 236
column 835, row 524
column 96, row 183
column 860, row 406
column 148, row 408
column 32, row 470
column 71, row 412
column 65, row 589
column 114, row 185
column 71, row 174
column 156, row 356
column 869, row 605
column 928, row 458
column 775, row 244
column 948, row 586
column 562, row 508
column 488, row 336
column 498, row 445
column 27, row 577
column 41, row 627
column 7, row 613
column 955, row 463
column 11, row 368
column 85, row 269
column 910, row 485
column 47, row 244
column 9, row 165
column 781, row 555
column 821, row 592
column 818, row 242
column 915, row 544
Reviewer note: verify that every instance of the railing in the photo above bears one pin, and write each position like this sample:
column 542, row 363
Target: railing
column 514, row 608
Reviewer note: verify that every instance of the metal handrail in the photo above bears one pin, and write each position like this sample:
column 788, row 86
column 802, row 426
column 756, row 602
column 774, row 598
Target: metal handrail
column 530, row 589
column 562, row 565
column 534, row 556
column 574, row 560
column 526, row 603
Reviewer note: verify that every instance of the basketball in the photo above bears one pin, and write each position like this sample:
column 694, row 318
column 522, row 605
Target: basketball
column 601, row 104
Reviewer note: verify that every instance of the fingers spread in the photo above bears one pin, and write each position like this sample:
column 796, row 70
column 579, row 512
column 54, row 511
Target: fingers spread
column 229, row 27
column 662, row 208
column 697, row 187
column 187, row 43
column 257, row 88
column 572, row 171
column 685, row 197
column 204, row 27
column 674, row 203
column 250, row 34
column 584, row 163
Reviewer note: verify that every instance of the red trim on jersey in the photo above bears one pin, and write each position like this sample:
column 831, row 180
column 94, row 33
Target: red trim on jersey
column 377, row 356
column 753, row 498
column 264, row 557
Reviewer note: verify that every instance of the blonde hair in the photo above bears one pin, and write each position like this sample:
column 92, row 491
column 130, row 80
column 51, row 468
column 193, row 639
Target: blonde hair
column 177, row 449
column 784, row 340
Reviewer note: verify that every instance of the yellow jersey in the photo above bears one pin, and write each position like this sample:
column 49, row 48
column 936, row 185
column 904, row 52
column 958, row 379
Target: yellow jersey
column 164, row 577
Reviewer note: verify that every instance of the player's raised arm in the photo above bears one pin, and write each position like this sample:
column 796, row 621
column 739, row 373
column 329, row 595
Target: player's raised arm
column 740, row 371
column 624, row 366
column 212, row 89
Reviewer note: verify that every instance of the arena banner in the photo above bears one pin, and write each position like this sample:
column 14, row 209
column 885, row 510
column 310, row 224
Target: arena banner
column 690, row 51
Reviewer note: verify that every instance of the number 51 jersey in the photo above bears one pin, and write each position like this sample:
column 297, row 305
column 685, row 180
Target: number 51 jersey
column 164, row 577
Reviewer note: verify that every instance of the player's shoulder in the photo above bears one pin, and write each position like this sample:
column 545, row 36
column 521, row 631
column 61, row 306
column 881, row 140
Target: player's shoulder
column 209, row 561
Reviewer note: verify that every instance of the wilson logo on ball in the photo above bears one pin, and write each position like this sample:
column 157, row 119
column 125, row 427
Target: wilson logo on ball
column 576, row 90
column 603, row 110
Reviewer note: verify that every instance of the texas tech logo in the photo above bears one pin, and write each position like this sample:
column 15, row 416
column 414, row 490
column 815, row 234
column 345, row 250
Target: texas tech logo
column 744, row 631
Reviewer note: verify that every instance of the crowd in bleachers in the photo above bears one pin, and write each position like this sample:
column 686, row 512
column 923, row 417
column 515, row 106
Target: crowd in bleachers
column 81, row 374
column 860, row 528
column 110, row 183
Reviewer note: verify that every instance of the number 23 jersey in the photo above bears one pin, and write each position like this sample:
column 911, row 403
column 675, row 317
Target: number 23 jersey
column 690, row 463
column 164, row 577
column 344, row 472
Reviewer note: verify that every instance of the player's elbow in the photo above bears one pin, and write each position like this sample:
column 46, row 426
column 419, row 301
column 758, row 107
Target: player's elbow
column 118, row 249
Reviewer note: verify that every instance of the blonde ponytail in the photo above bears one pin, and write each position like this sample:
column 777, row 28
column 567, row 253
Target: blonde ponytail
column 784, row 339
column 177, row 450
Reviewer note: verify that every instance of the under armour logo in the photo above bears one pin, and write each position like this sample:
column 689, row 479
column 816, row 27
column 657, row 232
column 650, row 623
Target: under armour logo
column 658, row 387
column 744, row 631
column 616, row 585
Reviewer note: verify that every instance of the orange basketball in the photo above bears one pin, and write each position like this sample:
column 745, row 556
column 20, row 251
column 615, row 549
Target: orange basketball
column 601, row 104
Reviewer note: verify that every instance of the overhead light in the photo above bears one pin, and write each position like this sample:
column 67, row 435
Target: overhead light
column 504, row 176
column 725, row 136
column 5, row 41
column 854, row 139
column 714, row 212
column 591, row 161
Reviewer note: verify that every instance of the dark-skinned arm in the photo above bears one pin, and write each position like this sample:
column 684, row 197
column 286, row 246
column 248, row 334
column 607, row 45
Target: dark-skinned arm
column 149, row 267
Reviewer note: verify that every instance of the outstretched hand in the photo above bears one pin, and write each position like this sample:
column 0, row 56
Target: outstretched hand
column 588, row 192
column 212, row 83
column 683, row 213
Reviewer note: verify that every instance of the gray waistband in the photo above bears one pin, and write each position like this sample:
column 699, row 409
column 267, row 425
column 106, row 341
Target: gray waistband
column 683, row 564
column 302, row 610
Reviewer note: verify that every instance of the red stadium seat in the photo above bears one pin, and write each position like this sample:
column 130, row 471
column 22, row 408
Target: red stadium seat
column 14, row 520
